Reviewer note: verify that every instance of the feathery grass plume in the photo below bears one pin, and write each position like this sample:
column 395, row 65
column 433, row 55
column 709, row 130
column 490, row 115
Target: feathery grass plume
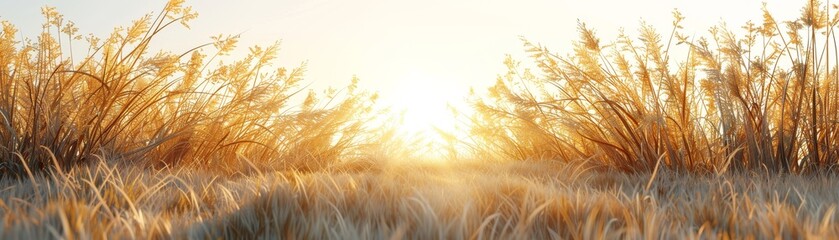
column 123, row 103
column 763, row 99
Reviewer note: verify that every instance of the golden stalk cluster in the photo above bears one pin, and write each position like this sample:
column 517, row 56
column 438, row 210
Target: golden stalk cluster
column 766, row 101
column 122, row 103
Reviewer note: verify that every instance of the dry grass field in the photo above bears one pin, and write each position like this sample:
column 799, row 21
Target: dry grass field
column 467, row 200
column 731, row 135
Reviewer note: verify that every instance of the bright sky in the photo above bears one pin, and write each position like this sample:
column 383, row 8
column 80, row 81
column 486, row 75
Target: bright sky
column 419, row 55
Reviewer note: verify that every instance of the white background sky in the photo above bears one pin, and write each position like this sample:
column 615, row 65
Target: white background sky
column 400, row 48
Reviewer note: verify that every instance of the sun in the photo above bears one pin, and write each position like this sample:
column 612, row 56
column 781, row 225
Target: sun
column 421, row 102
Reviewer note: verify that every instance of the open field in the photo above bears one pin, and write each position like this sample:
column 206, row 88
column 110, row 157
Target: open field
column 730, row 135
column 522, row 200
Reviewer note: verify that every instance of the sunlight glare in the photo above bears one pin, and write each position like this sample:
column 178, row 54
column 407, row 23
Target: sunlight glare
column 421, row 102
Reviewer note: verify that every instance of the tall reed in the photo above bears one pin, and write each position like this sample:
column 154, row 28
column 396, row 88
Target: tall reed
column 122, row 102
column 761, row 99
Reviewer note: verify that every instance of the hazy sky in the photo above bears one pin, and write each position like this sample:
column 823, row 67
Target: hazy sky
column 402, row 49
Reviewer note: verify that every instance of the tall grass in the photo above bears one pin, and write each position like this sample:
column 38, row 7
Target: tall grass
column 214, row 132
column 121, row 102
column 761, row 99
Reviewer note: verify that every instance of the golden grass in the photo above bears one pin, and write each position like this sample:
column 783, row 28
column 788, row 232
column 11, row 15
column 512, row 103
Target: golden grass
column 523, row 200
column 123, row 143
column 761, row 99
column 122, row 103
